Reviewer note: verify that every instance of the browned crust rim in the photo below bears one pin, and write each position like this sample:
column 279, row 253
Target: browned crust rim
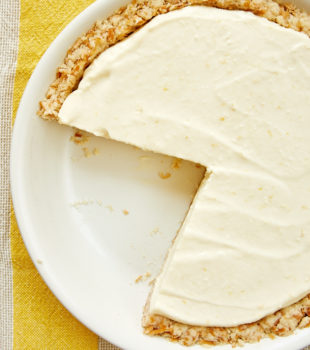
column 282, row 323
column 115, row 28
column 126, row 20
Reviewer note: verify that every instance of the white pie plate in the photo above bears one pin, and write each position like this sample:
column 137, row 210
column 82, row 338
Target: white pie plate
column 70, row 212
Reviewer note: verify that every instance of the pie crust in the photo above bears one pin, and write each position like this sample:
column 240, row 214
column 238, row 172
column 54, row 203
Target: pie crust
column 115, row 28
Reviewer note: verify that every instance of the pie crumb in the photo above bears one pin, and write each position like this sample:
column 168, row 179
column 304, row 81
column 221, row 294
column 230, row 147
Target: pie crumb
column 110, row 208
column 143, row 158
column 125, row 212
column 176, row 163
column 86, row 152
column 138, row 279
column 155, row 231
column 81, row 203
column 164, row 176
column 79, row 137
column 143, row 278
column 95, row 151
column 151, row 282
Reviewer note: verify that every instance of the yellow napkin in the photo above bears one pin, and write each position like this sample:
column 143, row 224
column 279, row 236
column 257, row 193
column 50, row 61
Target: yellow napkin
column 40, row 321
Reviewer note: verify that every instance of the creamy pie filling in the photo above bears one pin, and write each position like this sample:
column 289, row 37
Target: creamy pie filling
column 231, row 91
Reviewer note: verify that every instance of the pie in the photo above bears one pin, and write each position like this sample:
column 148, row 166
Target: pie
column 229, row 90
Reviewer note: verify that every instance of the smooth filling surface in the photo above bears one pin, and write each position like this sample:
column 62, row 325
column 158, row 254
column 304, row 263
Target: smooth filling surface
column 231, row 91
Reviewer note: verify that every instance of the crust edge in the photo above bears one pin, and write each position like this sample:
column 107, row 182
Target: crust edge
column 282, row 323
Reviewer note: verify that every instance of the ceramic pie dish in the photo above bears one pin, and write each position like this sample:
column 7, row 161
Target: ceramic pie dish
column 63, row 217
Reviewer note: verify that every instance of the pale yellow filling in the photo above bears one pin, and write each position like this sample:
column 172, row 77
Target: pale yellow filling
column 230, row 91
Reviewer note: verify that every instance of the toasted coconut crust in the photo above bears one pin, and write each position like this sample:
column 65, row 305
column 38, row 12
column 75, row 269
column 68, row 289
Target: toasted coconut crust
column 115, row 28
column 282, row 323
column 128, row 19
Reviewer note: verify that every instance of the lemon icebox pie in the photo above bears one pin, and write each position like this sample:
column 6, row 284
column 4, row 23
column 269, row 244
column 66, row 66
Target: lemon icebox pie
column 225, row 84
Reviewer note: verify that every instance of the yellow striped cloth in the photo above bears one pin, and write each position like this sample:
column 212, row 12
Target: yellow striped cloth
column 39, row 320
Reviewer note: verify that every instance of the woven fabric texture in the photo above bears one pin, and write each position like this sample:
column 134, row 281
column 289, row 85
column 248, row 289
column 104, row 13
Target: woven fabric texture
column 39, row 320
column 9, row 22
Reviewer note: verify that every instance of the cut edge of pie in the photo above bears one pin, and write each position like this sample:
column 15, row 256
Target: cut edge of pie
column 115, row 28
column 281, row 323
